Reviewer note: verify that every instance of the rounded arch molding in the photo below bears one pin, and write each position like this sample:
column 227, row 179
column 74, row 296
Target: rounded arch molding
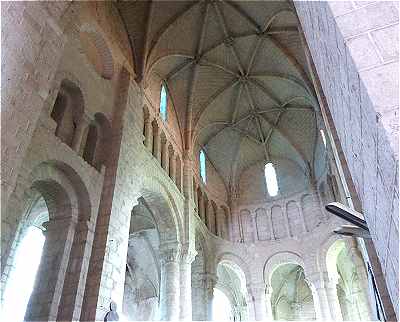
column 65, row 178
column 278, row 259
column 236, row 260
column 163, row 208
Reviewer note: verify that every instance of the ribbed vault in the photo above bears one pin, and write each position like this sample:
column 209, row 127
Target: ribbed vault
column 236, row 75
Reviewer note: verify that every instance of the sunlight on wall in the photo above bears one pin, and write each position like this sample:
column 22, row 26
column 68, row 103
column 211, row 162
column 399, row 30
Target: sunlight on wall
column 22, row 278
column 222, row 308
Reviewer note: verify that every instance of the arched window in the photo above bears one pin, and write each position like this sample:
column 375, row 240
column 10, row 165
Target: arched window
column 271, row 180
column 202, row 159
column 321, row 131
column 163, row 102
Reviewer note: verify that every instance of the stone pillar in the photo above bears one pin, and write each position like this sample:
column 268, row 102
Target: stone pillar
column 270, row 225
column 80, row 134
column 156, row 142
column 259, row 301
column 285, row 216
column 148, row 132
column 201, row 208
column 172, row 166
column 169, row 288
column 333, row 300
column 254, row 224
column 165, row 155
column 46, row 295
column 326, row 293
column 210, row 282
column 303, row 220
column 199, row 310
column 206, row 212
column 268, row 303
column 320, row 298
column 185, row 303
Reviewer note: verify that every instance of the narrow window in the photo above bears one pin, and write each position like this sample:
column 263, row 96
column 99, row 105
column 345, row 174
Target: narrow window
column 202, row 166
column 323, row 136
column 270, row 179
column 163, row 102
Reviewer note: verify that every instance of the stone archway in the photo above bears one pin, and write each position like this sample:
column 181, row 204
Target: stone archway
column 69, row 211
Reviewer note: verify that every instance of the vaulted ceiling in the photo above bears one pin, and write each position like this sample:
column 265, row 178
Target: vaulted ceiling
column 236, row 74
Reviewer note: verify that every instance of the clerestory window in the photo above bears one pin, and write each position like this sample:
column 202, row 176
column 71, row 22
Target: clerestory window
column 323, row 136
column 202, row 159
column 271, row 180
column 163, row 102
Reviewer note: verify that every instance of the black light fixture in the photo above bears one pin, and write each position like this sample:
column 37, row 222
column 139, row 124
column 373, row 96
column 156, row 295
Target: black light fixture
column 359, row 226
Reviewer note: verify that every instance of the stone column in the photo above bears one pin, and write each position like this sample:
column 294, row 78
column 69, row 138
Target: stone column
column 172, row 166
column 156, row 142
column 268, row 301
column 210, row 282
column 254, row 224
column 303, row 221
column 46, row 295
column 333, row 300
column 320, row 297
column 148, row 132
column 199, row 310
column 80, row 134
column 286, row 218
column 165, row 155
column 259, row 301
column 185, row 303
column 201, row 208
column 169, row 288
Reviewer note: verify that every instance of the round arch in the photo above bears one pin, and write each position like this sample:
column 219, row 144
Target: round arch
column 322, row 253
column 97, row 50
column 163, row 208
column 237, row 261
column 278, row 259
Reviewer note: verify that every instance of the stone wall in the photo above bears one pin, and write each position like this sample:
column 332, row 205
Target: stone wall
column 86, row 44
column 370, row 163
column 371, row 32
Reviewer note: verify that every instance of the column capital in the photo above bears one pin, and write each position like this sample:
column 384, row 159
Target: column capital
column 210, row 280
column 188, row 256
column 170, row 252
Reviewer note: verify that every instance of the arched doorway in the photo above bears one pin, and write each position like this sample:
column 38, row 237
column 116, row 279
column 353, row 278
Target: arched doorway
column 153, row 261
column 230, row 293
column 291, row 297
column 352, row 285
column 142, row 277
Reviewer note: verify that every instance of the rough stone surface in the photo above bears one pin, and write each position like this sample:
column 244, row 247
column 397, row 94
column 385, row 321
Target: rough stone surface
column 87, row 157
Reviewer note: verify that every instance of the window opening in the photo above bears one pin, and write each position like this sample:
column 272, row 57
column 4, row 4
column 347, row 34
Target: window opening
column 202, row 158
column 271, row 180
column 163, row 102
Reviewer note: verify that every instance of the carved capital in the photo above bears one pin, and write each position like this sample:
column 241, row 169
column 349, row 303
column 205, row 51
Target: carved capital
column 188, row 256
column 170, row 253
